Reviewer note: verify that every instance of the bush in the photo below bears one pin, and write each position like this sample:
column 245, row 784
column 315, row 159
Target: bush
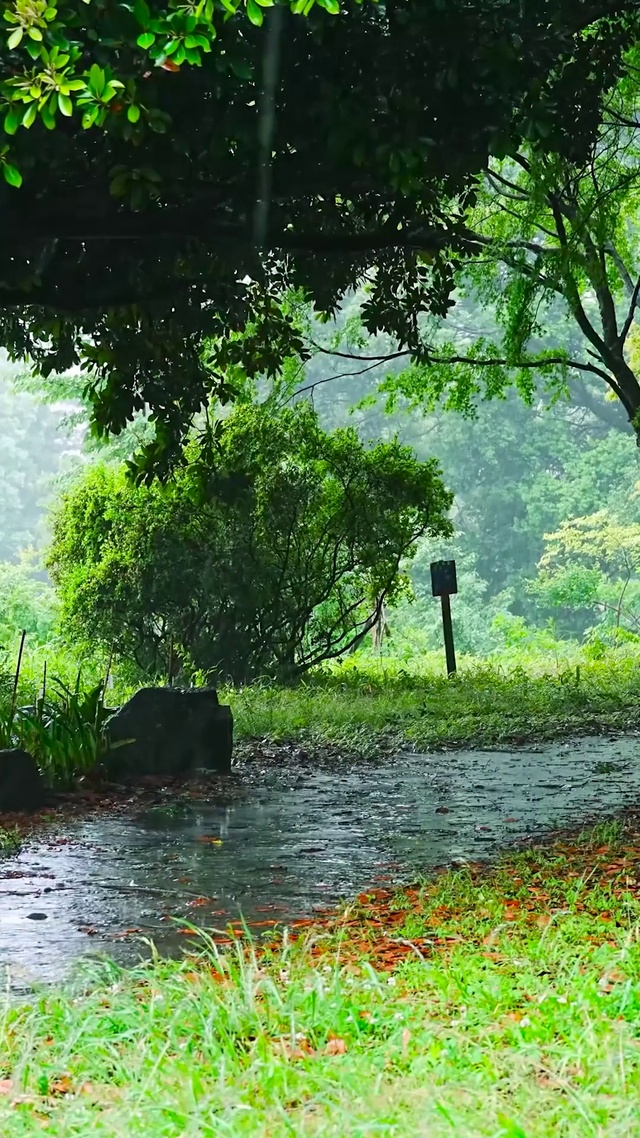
column 270, row 551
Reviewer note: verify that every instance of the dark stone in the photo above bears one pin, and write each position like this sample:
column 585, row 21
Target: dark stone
column 166, row 731
column 21, row 785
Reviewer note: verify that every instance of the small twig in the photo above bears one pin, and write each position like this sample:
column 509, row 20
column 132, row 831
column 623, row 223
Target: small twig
column 17, row 675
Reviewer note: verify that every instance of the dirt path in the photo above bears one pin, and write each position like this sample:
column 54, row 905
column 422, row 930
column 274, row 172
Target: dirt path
column 284, row 840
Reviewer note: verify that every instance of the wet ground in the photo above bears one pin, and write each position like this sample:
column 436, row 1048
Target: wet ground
column 278, row 841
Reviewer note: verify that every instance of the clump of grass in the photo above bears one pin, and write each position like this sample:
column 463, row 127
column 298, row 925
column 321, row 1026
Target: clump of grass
column 518, row 1015
column 10, row 841
column 63, row 728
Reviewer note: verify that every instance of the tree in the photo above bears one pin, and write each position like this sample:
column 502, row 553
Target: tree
column 25, row 603
column 547, row 230
column 34, row 452
column 591, row 565
column 191, row 178
column 278, row 557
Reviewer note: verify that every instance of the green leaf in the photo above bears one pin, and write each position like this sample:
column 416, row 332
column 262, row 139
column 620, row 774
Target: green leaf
column 265, row 3
column 89, row 117
column 133, row 113
column 35, row 34
column 146, row 40
column 48, row 115
column 29, row 116
column 12, row 175
column 12, row 121
column 141, row 12
column 254, row 13
column 97, row 79
column 65, row 104
column 331, row 6
column 15, row 38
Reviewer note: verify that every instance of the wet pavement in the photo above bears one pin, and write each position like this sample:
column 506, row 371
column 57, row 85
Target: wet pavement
column 276, row 842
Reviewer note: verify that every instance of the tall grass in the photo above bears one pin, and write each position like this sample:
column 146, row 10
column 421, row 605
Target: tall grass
column 363, row 703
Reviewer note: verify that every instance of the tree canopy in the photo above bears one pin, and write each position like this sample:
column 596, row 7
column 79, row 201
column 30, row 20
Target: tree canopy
column 552, row 253
column 171, row 170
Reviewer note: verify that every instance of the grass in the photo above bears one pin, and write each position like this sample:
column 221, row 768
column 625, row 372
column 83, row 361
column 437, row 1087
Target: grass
column 361, row 704
column 364, row 705
column 500, row 1003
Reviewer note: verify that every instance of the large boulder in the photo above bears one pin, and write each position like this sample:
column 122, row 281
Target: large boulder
column 21, row 785
column 166, row 731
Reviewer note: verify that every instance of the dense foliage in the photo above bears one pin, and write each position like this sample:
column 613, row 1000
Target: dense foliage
column 277, row 557
column 194, row 167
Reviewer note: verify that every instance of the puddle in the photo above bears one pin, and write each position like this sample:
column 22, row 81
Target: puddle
column 277, row 844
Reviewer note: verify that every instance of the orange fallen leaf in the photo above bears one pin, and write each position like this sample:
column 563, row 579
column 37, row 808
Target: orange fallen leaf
column 300, row 1049
column 335, row 1046
column 609, row 979
column 6, row 1086
column 61, row 1086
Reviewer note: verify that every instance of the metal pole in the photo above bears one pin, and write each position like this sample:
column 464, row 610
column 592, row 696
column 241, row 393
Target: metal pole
column 447, row 627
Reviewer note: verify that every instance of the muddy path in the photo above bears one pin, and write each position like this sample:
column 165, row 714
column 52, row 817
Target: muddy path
column 285, row 839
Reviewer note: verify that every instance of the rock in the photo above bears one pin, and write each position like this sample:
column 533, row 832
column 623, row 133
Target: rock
column 166, row 731
column 21, row 785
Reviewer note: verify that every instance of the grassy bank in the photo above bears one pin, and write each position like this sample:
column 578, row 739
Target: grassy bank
column 491, row 1003
column 359, row 704
column 362, row 706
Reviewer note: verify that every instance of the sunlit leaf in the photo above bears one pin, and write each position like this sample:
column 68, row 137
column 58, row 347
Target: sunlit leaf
column 11, row 175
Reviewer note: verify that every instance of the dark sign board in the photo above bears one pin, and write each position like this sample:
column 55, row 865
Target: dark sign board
column 444, row 580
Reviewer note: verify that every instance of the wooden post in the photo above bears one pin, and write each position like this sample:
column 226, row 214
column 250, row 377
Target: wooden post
column 444, row 583
column 447, row 627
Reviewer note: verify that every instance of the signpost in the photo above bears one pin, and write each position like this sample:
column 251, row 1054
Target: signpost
column 444, row 583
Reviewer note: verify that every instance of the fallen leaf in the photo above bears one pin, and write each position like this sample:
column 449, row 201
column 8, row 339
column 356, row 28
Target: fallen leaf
column 61, row 1086
column 543, row 921
column 335, row 1046
column 406, row 1038
column 6, row 1086
column 609, row 979
column 300, row 1049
